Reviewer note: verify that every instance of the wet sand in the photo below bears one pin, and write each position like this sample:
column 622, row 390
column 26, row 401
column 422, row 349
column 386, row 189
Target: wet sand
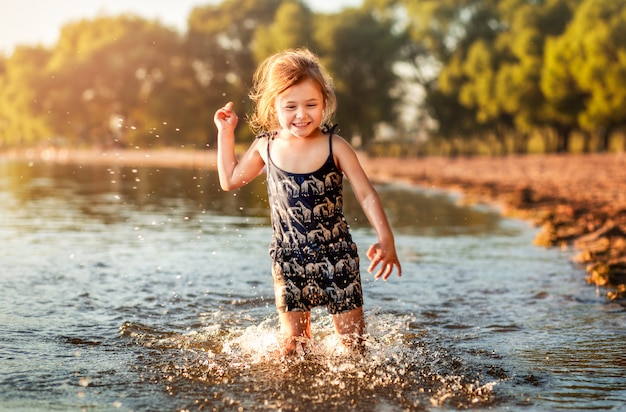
column 577, row 200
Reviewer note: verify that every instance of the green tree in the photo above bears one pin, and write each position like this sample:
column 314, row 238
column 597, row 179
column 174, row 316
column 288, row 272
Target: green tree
column 23, row 119
column 292, row 27
column 360, row 50
column 489, row 57
column 518, row 92
column 558, row 84
column 220, row 43
column 455, row 42
column 594, row 60
column 106, row 76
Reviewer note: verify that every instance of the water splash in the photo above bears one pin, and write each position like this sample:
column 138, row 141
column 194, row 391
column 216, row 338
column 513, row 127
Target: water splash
column 236, row 367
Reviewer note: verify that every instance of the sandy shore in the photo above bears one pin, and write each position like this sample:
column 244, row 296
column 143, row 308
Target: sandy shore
column 577, row 200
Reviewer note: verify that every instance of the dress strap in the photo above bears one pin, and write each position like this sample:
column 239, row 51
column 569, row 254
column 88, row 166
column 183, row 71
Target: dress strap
column 269, row 135
column 328, row 129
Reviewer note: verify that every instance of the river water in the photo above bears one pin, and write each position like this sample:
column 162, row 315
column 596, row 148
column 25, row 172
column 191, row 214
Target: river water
column 149, row 289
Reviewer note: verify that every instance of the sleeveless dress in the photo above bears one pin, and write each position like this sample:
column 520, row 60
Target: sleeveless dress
column 314, row 259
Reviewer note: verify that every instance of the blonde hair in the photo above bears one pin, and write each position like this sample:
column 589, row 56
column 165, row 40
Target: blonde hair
column 279, row 72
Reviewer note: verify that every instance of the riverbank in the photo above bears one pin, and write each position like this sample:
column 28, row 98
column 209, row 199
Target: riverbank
column 577, row 200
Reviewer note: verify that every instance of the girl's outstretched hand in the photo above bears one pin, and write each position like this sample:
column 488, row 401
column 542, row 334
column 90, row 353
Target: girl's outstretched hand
column 385, row 256
column 225, row 118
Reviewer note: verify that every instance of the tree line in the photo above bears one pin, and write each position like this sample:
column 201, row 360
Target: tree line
column 461, row 74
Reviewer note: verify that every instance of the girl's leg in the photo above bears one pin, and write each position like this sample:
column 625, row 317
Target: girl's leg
column 351, row 326
column 296, row 328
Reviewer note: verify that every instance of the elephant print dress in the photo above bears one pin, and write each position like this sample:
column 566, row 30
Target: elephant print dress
column 314, row 260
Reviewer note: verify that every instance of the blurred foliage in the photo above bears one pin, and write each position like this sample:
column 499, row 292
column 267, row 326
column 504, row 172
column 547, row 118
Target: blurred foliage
column 413, row 77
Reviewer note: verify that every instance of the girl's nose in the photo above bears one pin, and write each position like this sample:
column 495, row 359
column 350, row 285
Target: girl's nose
column 300, row 113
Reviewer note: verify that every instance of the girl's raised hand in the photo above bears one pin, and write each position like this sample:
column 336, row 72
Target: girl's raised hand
column 225, row 118
column 386, row 257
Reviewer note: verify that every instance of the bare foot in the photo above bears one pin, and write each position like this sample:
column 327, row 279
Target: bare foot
column 295, row 346
column 351, row 344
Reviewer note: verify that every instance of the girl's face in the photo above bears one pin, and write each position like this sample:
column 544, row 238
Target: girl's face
column 300, row 108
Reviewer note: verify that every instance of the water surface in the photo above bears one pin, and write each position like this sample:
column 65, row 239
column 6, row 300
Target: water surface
column 149, row 289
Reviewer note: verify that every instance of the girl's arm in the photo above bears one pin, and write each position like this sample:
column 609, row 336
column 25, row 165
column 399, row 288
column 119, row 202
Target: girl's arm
column 234, row 173
column 384, row 251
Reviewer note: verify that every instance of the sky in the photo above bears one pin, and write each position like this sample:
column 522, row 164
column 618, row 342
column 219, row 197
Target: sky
column 32, row 22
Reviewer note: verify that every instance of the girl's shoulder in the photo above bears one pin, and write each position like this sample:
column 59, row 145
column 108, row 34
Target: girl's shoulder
column 336, row 139
column 344, row 155
column 340, row 144
column 261, row 143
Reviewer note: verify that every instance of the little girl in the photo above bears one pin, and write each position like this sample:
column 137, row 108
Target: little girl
column 314, row 260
